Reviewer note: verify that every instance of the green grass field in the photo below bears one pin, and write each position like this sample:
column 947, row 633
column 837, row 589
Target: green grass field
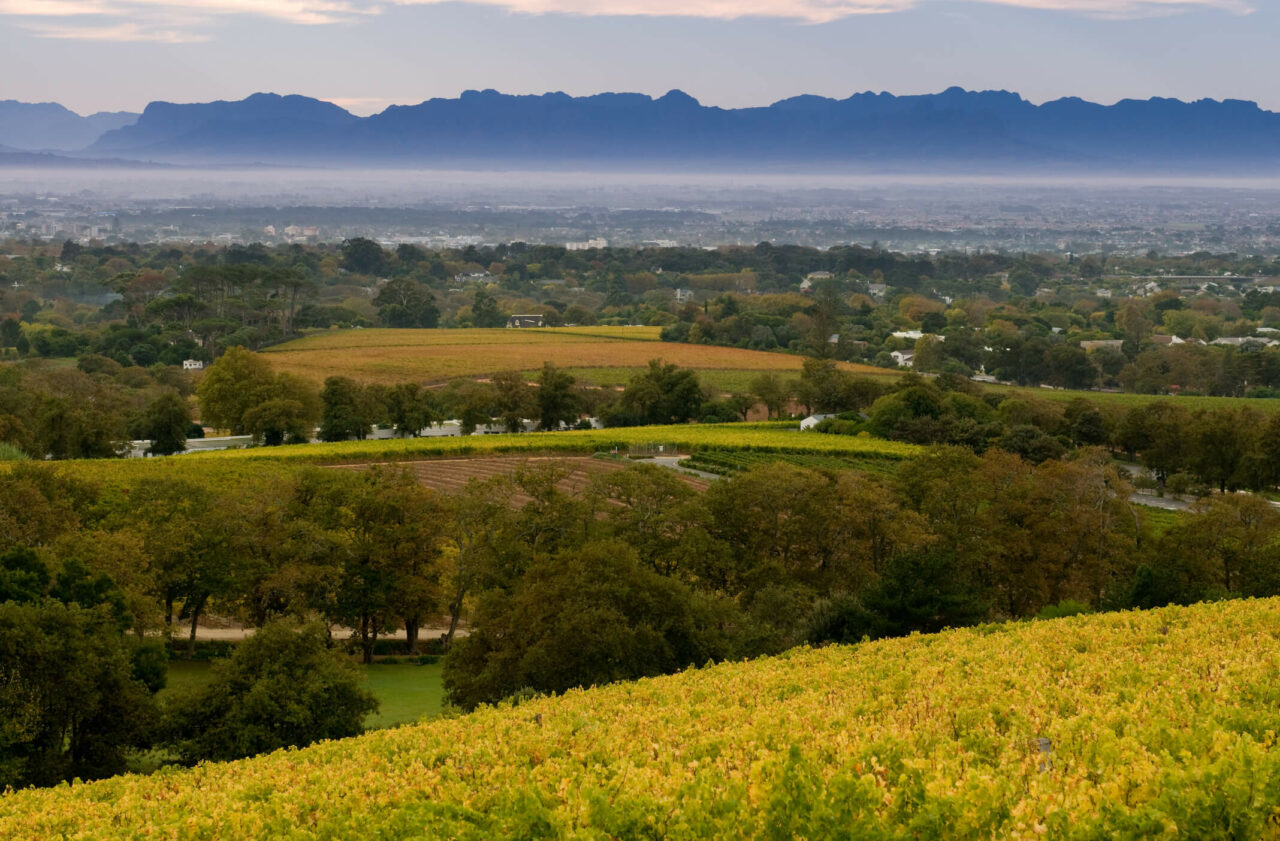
column 406, row 693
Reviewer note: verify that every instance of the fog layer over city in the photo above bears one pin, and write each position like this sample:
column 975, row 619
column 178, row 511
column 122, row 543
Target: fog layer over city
column 446, row 208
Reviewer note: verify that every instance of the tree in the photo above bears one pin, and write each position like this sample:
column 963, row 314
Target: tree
column 190, row 547
column 665, row 393
column 404, row 302
column 485, row 312
column 164, row 423
column 586, row 616
column 10, row 333
column 773, row 392
column 345, row 412
column 276, row 422
column 1069, row 367
column 75, row 694
column 557, row 404
column 513, row 400
column 230, row 387
column 70, row 704
column 364, row 256
column 282, row 687
column 388, row 556
column 412, row 408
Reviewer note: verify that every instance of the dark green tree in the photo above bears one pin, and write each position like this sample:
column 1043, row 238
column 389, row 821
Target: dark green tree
column 587, row 616
column 485, row 312
column 283, row 687
column 364, row 256
column 558, row 405
column 345, row 412
column 164, row 422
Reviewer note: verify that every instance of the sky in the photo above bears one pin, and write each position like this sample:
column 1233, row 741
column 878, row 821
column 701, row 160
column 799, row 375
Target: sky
column 94, row 55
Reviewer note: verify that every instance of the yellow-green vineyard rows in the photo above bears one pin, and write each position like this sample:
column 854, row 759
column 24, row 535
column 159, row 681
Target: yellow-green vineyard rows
column 1160, row 725
column 230, row 467
column 392, row 356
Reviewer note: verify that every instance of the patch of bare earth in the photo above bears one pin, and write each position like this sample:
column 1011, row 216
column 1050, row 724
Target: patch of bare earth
column 449, row 475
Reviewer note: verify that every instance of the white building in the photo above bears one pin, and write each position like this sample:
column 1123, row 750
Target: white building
column 586, row 246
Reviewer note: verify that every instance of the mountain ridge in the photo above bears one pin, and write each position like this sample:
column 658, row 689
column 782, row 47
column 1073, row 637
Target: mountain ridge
column 955, row 130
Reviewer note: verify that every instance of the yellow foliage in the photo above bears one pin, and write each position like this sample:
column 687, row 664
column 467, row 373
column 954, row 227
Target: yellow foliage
column 1159, row 725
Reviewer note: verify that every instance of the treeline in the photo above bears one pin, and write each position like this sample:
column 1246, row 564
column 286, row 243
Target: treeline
column 1185, row 449
column 638, row 574
column 92, row 410
column 1026, row 341
column 242, row 394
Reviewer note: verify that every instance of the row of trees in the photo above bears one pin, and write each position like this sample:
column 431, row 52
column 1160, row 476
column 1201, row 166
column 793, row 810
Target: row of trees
column 638, row 574
column 92, row 410
column 242, row 394
column 758, row 562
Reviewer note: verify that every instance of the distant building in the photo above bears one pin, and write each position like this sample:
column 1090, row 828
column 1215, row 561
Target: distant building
column 812, row 421
column 525, row 321
column 684, row 296
column 904, row 358
column 877, row 290
column 814, row 277
column 596, row 242
column 192, row 365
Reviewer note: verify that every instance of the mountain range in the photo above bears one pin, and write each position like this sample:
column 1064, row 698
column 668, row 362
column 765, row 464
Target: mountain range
column 953, row 131
column 48, row 126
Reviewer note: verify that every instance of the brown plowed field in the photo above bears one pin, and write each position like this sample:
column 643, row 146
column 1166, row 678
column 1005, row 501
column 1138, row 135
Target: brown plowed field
column 449, row 475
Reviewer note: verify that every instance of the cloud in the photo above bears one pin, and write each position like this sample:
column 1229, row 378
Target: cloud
column 808, row 11
column 179, row 21
column 1130, row 8
column 116, row 32
column 825, row 11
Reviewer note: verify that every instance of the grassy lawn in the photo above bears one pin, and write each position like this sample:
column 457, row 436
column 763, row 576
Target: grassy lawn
column 407, row 693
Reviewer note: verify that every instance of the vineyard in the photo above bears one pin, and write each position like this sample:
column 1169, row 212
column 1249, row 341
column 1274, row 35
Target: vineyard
column 1126, row 725
column 231, row 468
column 727, row 463
column 452, row 475
column 433, row 356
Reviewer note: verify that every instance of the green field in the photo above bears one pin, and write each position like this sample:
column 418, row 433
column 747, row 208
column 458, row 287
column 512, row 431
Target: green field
column 1158, row 724
column 406, row 693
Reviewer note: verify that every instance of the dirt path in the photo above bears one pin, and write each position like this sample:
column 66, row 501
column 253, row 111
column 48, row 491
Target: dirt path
column 233, row 632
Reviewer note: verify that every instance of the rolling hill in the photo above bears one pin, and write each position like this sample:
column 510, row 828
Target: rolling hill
column 1156, row 724
column 599, row 355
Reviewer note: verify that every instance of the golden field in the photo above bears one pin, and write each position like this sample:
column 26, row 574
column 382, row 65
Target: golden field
column 1159, row 724
column 391, row 356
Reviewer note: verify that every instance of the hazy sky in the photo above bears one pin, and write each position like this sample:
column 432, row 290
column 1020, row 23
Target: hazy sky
column 120, row 54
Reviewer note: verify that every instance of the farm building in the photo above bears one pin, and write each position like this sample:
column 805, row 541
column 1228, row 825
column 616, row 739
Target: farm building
column 525, row 321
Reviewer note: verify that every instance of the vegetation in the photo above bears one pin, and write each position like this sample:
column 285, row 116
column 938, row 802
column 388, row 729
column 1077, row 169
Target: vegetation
column 392, row 356
column 283, row 687
column 924, row 737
